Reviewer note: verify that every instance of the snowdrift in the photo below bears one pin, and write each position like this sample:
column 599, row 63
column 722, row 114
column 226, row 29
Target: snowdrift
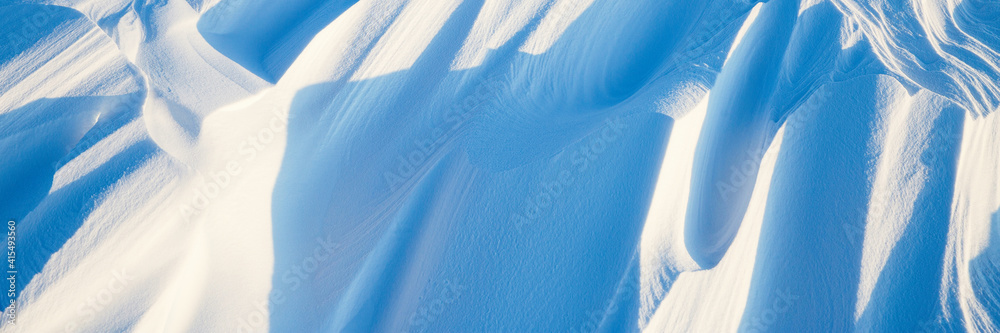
column 501, row 166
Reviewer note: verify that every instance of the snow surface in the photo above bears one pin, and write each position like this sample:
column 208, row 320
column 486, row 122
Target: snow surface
column 501, row 165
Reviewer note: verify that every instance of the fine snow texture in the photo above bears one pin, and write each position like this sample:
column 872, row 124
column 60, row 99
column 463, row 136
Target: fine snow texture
column 501, row 165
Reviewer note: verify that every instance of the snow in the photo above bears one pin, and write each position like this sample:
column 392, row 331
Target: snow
column 501, row 166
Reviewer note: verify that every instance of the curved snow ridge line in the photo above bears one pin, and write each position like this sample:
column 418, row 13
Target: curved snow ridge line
column 337, row 52
column 662, row 254
column 132, row 26
column 586, row 70
column 737, row 130
column 691, row 70
column 695, row 298
column 947, row 46
column 584, row 78
column 266, row 37
column 163, row 32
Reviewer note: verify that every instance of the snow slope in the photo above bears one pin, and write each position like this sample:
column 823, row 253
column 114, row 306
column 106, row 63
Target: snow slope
column 501, row 165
